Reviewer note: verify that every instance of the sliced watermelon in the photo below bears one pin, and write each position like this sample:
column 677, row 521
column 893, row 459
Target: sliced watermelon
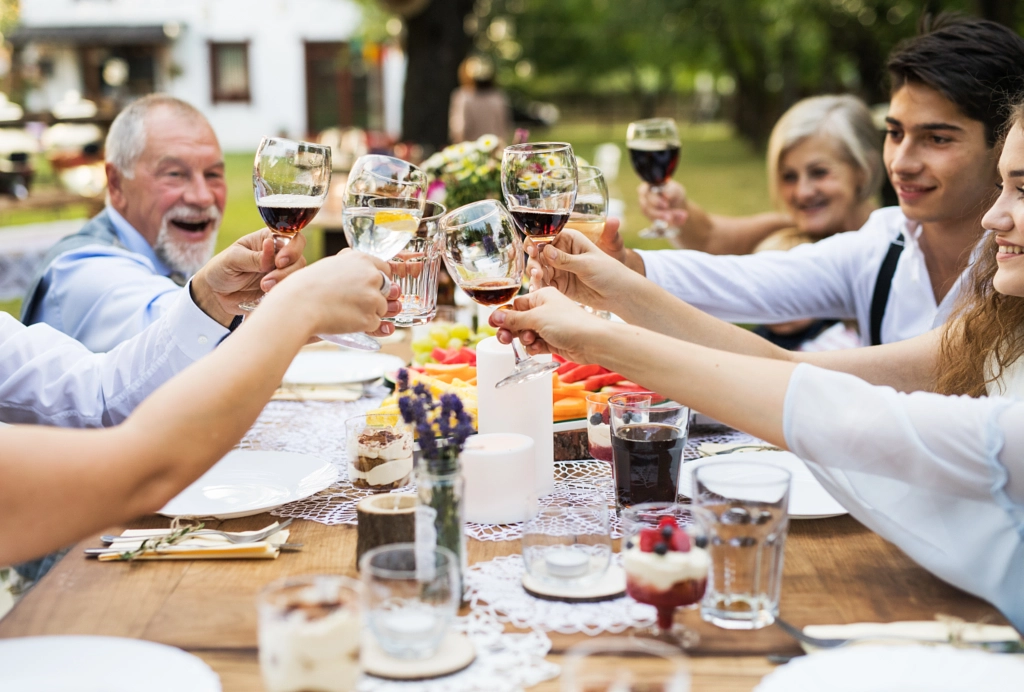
column 439, row 354
column 557, row 358
column 623, row 388
column 594, row 383
column 566, row 367
column 580, row 372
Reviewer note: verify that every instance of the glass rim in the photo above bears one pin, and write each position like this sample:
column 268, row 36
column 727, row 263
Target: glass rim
column 785, row 475
column 364, row 416
column 405, row 574
column 497, row 208
column 295, row 580
column 666, row 404
column 297, row 142
column 433, row 217
column 649, row 122
column 538, row 147
column 593, row 173
column 607, row 645
column 596, row 398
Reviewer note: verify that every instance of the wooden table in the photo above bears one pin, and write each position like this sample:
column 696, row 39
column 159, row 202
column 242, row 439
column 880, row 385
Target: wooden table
column 836, row 571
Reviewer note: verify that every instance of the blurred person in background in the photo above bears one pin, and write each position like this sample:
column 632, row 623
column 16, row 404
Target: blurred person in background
column 824, row 173
column 478, row 107
column 126, row 267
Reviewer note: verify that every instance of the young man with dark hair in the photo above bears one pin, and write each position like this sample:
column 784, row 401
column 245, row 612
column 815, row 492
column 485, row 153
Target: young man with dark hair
column 899, row 275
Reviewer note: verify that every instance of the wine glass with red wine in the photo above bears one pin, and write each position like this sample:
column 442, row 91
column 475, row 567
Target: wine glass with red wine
column 483, row 253
column 290, row 180
column 654, row 152
column 539, row 184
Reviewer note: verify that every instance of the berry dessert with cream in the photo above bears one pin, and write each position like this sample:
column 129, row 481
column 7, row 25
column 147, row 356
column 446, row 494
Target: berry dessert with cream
column 664, row 569
column 599, row 436
column 380, row 458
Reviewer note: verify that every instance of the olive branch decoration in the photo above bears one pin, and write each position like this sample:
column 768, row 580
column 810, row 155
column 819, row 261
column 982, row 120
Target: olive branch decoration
column 175, row 536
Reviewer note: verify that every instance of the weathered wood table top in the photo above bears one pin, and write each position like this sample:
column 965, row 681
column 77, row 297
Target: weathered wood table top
column 836, row 571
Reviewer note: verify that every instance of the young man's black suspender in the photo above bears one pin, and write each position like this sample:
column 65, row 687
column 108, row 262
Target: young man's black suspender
column 883, row 284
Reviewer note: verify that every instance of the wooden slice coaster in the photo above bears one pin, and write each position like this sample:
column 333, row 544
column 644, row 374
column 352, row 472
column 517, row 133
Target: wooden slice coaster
column 611, row 586
column 385, row 519
column 456, row 653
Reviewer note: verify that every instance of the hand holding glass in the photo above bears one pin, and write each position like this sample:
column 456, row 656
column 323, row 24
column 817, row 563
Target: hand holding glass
column 654, row 152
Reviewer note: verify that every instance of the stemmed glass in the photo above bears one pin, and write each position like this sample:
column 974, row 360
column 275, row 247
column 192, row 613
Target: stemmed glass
column 383, row 204
column 290, row 180
column 591, row 207
column 539, row 184
column 484, row 255
column 654, row 152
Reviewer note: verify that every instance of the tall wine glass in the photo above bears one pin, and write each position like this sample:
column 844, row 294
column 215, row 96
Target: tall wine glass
column 290, row 181
column 484, row 255
column 539, row 184
column 654, row 152
column 383, row 204
column 591, row 207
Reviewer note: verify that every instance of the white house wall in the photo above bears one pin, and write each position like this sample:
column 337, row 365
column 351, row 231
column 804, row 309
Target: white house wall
column 275, row 30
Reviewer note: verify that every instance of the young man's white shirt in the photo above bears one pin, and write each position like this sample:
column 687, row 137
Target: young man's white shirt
column 833, row 278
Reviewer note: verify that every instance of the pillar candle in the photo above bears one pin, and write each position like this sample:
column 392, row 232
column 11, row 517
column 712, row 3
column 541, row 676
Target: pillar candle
column 520, row 408
column 499, row 472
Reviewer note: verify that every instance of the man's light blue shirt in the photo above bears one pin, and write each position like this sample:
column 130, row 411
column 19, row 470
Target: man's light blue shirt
column 103, row 295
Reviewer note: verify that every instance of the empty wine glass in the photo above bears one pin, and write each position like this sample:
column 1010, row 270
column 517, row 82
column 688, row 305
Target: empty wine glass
column 654, row 152
column 539, row 184
column 290, row 181
column 484, row 255
column 383, row 204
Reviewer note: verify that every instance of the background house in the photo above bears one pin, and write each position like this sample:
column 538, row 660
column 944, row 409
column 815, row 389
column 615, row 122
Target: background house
column 254, row 67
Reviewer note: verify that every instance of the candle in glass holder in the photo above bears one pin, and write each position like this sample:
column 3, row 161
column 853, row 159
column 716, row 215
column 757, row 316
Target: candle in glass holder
column 566, row 563
column 500, row 474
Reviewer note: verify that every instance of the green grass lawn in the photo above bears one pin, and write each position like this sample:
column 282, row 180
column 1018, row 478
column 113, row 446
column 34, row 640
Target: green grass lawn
column 719, row 171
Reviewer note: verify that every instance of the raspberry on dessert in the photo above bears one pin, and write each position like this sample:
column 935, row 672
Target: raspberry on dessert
column 648, row 539
column 667, row 521
column 680, row 542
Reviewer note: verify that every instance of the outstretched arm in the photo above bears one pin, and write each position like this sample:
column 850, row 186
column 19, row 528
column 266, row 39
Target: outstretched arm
column 59, row 485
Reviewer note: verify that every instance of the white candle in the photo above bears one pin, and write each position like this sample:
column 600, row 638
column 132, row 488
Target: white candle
column 499, row 471
column 566, row 563
column 410, row 623
column 524, row 408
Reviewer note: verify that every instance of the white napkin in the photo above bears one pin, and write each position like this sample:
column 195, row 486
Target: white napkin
column 945, row 631
column 333, row 392
column 208, row 547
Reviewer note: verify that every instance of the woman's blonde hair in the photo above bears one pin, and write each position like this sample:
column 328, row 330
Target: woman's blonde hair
column 843, row 118
column 985, row 333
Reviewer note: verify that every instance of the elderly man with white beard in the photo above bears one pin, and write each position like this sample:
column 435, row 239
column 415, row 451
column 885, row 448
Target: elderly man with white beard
column 166, row 195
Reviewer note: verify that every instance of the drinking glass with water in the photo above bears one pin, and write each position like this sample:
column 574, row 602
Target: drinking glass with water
column 746, row 516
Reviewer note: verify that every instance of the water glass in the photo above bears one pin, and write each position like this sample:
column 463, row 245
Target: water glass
column 746, row 517
column 416, row 269
column 411, row 597
column 648, row 436
column 624, row 664
column 309, row 633
column 379, row 448
column 568, row 545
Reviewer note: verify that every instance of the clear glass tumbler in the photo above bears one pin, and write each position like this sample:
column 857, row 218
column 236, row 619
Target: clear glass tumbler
column 416, row 268
column 309, row 634
column 648, row 436
column 746, row 519
column 568, row 545
column 624, row 664
column 412, row 595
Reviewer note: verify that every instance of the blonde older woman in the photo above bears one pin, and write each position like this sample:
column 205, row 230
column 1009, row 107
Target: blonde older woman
column 824, row 173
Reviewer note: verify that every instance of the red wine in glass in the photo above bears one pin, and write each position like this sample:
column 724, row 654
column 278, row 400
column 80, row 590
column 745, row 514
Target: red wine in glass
column 493, row 291
column 540, row 224
column 288, row 214
column 646, row 458
column 654, row 160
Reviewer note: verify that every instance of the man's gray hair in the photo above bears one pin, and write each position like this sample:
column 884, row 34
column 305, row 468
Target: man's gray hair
column 127, row 137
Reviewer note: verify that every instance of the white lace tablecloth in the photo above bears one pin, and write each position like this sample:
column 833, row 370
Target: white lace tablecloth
column 318, row 429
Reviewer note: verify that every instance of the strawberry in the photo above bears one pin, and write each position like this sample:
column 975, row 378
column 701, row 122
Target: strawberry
column 667, row 520
column 680, row 541
column 648, row 539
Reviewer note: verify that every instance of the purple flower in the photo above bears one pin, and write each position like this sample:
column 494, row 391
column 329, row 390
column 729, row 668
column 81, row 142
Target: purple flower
column 403, row 379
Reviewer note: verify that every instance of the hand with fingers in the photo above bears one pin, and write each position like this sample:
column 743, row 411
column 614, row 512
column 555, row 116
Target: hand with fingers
column 545, row 321
column 666, row 203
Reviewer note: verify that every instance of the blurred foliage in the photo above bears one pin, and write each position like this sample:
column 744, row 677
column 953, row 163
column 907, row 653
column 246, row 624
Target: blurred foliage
column 761, row 55
column 9, row 11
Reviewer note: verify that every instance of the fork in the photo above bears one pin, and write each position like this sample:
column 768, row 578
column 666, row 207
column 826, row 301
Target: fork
column 1009, row 646
column 230, row 537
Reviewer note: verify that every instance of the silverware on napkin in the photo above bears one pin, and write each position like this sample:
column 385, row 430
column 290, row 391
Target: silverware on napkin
column 1011, row 646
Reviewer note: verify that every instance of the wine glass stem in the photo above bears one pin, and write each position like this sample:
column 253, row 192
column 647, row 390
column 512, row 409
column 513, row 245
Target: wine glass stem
column 279, row 242
column 518, row 351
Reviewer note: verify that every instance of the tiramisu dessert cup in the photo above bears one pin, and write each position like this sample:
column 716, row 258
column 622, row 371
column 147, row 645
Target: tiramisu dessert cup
column 379, row 452
column 665, row 562
column 309, row 634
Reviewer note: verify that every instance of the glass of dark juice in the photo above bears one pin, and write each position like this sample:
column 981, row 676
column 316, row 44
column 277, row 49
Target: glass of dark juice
column 648, row 436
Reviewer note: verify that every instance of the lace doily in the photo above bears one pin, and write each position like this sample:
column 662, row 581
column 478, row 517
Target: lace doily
column 504, row 662
column 496, row 587
column 318, row 428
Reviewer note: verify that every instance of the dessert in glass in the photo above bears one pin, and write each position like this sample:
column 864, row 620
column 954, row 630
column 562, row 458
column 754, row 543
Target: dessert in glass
column 666, row 563
column 599, row 431
column 380, row 454
column 309, row 634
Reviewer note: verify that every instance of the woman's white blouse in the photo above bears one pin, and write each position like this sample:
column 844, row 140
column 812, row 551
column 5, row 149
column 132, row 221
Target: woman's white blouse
column 941, row 477
column 49, row 378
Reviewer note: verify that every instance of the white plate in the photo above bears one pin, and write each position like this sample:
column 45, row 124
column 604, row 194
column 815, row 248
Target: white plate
column 100, row 664
column 902, row 668
column 245, row 483
column 807, row 498
column 339, row 366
